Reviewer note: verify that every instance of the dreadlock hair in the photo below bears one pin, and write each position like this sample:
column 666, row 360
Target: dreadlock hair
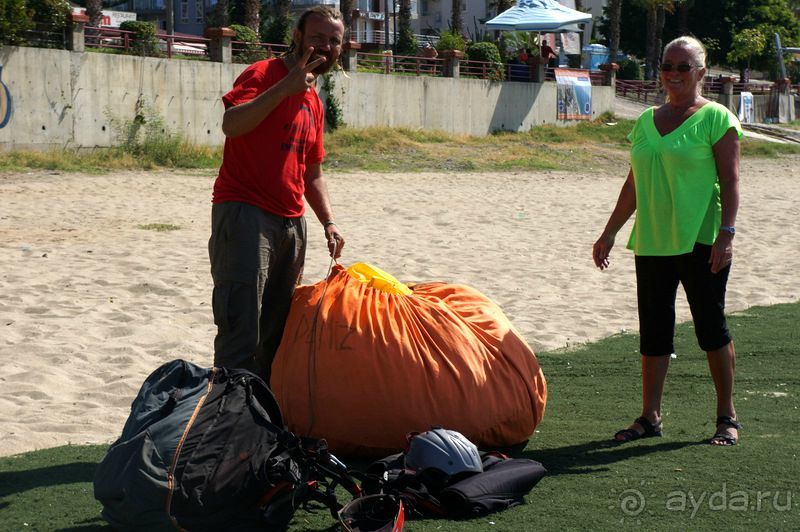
column 324, row 11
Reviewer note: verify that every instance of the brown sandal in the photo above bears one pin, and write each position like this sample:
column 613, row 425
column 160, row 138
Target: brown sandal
column 650, row 431
column 722, row 439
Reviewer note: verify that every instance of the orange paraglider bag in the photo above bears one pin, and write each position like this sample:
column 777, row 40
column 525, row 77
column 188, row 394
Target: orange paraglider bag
column 365, row 359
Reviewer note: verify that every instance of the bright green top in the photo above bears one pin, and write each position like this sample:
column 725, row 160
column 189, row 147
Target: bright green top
column 677, row 187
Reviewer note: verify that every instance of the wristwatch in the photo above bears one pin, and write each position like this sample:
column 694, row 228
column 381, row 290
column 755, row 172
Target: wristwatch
column 728, row 229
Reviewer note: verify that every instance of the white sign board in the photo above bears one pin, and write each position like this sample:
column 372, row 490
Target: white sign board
column 746, row 108
column 109, row 18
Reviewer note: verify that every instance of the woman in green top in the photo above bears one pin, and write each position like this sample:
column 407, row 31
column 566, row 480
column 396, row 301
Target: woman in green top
column 684, row 188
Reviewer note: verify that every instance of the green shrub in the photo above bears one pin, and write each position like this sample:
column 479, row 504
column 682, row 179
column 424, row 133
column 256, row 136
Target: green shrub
column 334, row 117
column 630, row 69
column 49, row 21
column 145, row 134
column 145, row 42
column 793, row 72
column 449, row 40
column 14, row 21
column 243, row 33
column 487, row 52
column 251, row 51
column 50, row 15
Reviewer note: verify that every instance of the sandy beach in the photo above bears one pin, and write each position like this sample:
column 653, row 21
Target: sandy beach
column 91, row 302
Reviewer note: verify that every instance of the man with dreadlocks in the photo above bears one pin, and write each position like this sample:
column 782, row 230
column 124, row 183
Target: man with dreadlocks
column 273, row 124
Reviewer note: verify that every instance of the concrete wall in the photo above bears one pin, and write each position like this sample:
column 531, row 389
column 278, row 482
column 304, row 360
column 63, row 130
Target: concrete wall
column 66, row 99
column 466, row 106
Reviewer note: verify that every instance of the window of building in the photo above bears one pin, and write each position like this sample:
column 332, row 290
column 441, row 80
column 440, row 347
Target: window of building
column 184, row 10
column 199, row 11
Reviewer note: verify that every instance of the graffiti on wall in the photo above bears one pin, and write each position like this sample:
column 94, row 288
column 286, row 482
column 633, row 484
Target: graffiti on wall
column 6, row 108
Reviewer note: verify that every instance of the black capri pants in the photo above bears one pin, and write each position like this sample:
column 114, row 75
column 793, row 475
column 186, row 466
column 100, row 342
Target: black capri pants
column 657, row 281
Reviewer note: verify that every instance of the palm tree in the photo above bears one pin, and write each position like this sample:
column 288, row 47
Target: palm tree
column 94, row 10
column 504, row 5
column 252, row 15
column 656, row 15
column 614, row 14
column 346, row 7
column 457, row 20
column 501, row 5
column 219, row 17
column 406, row 44
column 683, row 15
column 650, row 42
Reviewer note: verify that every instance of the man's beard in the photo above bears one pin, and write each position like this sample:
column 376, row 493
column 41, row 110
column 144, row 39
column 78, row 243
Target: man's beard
column 322, row 68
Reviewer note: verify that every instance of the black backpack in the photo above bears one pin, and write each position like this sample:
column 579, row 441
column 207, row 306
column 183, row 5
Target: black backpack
column 206, row 449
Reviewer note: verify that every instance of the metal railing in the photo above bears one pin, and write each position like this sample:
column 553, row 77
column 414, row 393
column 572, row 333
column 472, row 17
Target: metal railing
column 127, row 42
column 399, row 64
column 109, row 38
column 379, row 37
column 715, row 86
column 642, row 90
column 41, row 37
column 482, row 70
column 651, row 91
column 245, row 52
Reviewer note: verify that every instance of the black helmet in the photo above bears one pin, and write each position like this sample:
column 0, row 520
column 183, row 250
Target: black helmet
column 373, row 513
column 446, row 450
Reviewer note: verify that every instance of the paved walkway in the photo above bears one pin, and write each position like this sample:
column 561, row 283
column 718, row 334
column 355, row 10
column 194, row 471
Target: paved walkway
column 631, row 109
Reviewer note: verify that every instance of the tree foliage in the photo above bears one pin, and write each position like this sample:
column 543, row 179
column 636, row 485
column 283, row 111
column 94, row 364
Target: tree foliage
column 487, row 52
column 145, row 42
column 14, row 21
column 219, row 17
column 279, row 30
column 746, row 44
column 50, row 15
column 715, row 22
column 450, row 40
column 406, row 42
column 246, row 13
column 250, row 52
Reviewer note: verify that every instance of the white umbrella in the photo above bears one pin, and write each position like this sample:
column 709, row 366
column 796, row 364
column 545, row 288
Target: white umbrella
column 538, row 15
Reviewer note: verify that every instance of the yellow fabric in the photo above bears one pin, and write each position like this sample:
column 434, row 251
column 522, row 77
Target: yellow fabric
column 377, row 278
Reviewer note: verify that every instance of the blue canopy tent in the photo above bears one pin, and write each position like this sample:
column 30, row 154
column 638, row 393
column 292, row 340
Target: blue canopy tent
column 541, row 16
column 544, row 16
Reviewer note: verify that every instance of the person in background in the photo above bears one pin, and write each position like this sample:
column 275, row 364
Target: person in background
column 683, row 187
column 429, row 53
column 548, row 54
column 273, row 154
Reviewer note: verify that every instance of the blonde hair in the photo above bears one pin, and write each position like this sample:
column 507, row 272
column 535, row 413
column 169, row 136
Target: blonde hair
column 696, row 48
column 692, row 44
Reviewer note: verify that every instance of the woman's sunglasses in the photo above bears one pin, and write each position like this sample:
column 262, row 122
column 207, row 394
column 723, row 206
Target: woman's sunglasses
column 683, row 67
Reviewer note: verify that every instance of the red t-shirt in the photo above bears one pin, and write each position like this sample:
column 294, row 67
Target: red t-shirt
column 266, row 167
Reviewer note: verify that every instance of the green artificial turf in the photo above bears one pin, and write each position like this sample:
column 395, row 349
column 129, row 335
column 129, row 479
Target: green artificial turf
column 677, row 482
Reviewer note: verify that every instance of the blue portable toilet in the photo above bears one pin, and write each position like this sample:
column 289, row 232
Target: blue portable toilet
column 594, row 55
